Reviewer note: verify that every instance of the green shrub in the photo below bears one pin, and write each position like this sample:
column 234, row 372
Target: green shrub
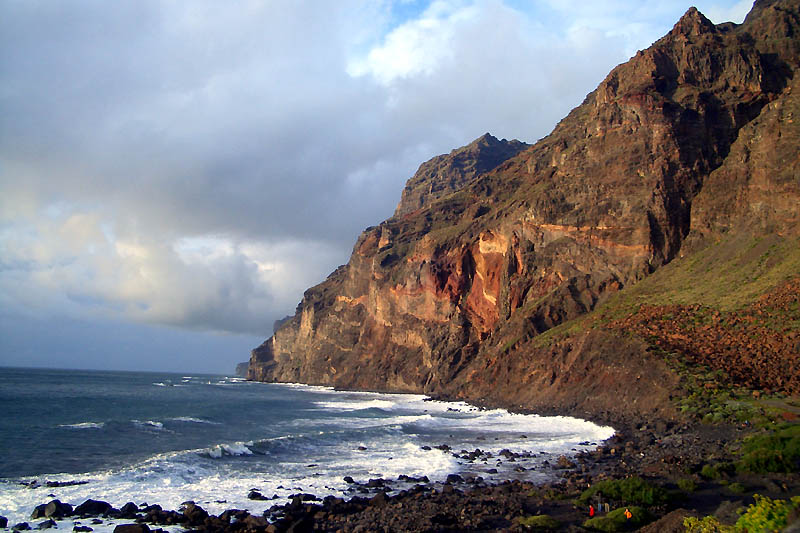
column 616, row 521
column 687, row 485
column 767, row 515
column 632, row 490
column 707, row 524
column 736, row 488
column 716, row 471
column 778, row 451
column 542, row 521
column 709, row 472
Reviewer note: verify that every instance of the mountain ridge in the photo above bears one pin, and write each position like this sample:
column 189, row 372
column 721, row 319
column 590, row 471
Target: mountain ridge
column 460, row 293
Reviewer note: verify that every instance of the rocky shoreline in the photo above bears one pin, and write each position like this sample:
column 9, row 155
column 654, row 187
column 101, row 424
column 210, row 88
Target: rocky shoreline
column 669, row 457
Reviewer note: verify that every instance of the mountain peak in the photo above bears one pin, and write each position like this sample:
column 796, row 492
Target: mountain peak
column 447, row 173
column 692, row 24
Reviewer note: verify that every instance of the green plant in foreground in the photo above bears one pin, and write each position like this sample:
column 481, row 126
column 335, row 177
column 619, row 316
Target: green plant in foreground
column 632, row 490
column 767, row 515
column 543, row 521
column 707, row 524
column 763, row 516
column 616, row 520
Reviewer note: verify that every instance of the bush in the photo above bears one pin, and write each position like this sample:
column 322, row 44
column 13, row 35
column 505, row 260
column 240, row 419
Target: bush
column 767, row 515
column 616, row 520
column 778, row 451
column 687, row 485
column 716, row 471
column 543, row 521
column 632, row 490
column 736, row 488
column 707, row 524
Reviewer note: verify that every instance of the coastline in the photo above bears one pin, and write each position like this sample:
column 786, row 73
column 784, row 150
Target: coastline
column 669, row 455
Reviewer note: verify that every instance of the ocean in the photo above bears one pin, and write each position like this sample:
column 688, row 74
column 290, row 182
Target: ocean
column 169, row 438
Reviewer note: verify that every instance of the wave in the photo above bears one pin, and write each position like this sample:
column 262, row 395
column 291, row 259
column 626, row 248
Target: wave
column 231, row 450
column 83, row 425
column 190, row 419
column 149, row 424
column 357, row 405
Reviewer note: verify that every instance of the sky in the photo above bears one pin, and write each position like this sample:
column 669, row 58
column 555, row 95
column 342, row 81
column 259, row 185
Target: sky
column 173, row 175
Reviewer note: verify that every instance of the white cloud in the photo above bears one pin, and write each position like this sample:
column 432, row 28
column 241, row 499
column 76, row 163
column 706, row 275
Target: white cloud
column 719, row 13
column 200, row 164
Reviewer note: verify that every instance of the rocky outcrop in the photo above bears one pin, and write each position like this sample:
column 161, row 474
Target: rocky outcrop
column 242, row 369
column 692, row 138
column 445, row 174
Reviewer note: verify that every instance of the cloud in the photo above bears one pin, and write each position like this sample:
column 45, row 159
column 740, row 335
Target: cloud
column 76, row 265
column 198, row 165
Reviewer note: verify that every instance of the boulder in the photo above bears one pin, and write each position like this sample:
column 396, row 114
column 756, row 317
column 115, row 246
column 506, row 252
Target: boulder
column 94, row 508
column 53, row 509
column 255, row 495
column 129, row 510
column 132, row 528
column 195, row 514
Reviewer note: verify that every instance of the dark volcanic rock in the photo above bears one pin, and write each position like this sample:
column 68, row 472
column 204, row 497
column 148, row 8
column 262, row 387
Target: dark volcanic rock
column 132, row 528
column 93, row 508
column 129, row 510
column 255, row 495
column 53, row 509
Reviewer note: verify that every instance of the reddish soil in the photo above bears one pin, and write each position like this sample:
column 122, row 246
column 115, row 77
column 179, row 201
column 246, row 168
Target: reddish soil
column 745, row 344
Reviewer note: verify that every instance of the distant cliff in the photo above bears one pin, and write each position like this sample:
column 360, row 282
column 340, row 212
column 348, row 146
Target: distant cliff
column 690, row 145
column 242, row 369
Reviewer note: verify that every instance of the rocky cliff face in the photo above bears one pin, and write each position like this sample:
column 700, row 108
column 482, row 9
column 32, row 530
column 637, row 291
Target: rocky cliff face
column 498, row 242
column 445, row 174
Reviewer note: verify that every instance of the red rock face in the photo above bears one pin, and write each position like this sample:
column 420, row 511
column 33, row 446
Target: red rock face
column 498, row 242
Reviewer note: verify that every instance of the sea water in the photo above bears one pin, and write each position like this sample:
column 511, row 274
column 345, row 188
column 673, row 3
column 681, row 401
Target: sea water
column 166, row 438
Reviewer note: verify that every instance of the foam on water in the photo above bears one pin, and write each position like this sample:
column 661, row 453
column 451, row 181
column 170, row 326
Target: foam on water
column 83, row 425
column 357, row 405
column 191, row 419
column 360, row 434
column 149, row 424
column 237, row 448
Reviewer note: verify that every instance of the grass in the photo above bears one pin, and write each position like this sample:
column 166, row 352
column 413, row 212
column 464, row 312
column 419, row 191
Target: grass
column 726, row 275
column 628, row 491
column 617, row 521
column 542, row 522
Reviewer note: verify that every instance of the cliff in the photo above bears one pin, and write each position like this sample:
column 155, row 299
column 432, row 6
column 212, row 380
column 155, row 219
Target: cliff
column 242, row 369
column 525, row 275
